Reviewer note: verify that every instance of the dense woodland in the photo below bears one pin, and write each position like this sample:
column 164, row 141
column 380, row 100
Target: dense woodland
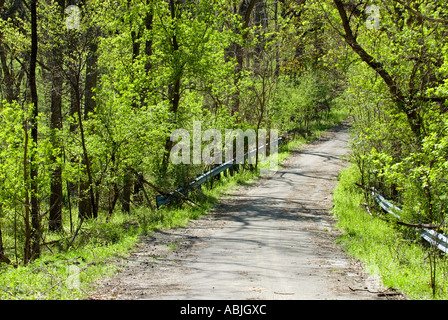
column 91, row 91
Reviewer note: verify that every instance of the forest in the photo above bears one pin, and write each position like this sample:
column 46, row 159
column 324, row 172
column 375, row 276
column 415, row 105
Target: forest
column 91, row 91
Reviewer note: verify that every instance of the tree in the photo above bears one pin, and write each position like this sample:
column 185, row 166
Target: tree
column 56, row 70
column 34, row 170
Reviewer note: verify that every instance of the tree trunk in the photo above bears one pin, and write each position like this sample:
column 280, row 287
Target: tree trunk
column 91, row 74
column 149, row 20
column 237, row 50
column 27, row 244
column 88, row 204
column 149, row 26
column 261, row 22
column 55, row 218
column 1, row 237
column 34, row 170
column 127, row 190
column 8, row 76
column 85, row 201
column 277, row 54
column 174, row 87
column 3, row 258
column 113, row 200
column 12, row 81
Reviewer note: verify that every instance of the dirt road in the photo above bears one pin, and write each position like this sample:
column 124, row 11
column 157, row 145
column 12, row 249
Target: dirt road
column 271, row 240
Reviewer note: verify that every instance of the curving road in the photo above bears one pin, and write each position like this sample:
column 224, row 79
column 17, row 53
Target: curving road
column 271, row 240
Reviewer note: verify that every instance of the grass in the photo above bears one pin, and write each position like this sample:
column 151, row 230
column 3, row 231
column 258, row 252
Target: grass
column 400, row 260
column 62, row 274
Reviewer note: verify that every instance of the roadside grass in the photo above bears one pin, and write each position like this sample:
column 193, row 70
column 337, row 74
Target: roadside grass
column 399, row 258
column 102, row 244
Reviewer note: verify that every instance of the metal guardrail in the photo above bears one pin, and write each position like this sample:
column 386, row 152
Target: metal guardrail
column 386, row 205
column 431, row 236
column 167, row 198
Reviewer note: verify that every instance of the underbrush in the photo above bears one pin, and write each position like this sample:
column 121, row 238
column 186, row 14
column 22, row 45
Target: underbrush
column 397, row 256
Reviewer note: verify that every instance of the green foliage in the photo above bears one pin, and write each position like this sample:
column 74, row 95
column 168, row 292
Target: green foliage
column 420, row 176
column 12, row 134
column 307, row 98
